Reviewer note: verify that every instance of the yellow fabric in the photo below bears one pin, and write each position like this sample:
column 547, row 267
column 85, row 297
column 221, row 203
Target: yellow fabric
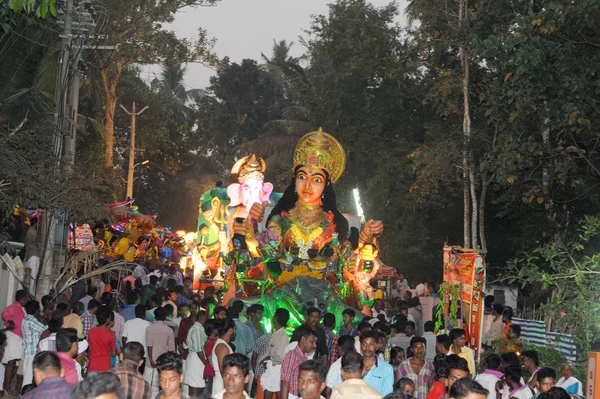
column 466, row 354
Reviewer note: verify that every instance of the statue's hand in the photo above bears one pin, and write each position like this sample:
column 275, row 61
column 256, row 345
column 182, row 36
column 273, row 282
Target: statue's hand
column 372, row 228
column 257, row 212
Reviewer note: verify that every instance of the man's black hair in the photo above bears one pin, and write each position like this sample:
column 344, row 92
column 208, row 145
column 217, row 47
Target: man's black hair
column 132, row 297
column 329, row 320
column 493, row 361
column 98, row 384
column 368, row 334
column 46, row 361
column 153, row 279
column 315, row 366
column 533, row 355
column 55, row 324
column 303, row 332
column 546, row 372
column 255, row 308
column 498, row 308
column 93, row 304
column 282, row 316
column 169, row 309
column 510, row 358
column 415, row 340
column 92, row 291
column 210, row 326
column 508, row 312
column 179, row 289
column 237, row 360
column 160, row 314
column 219, row 309
column 444, row 340
column 133, row 351
column 462, row 388
column 140, row 311
column 555, row 393
column 363, row 325
column 20, row 294
column 103, row 314
column 456, row 362
column 225, row 325
column 346, row 342
column 78, row 308
column 156, row 299
column 65, row 338
column 456, row 333
column 513, row 372
column 169, row 361
column 402, row 383
column 411, row 324
column 312, row 310
column 352, row 362
column 32, row 307
column 349, row 312
column 429, row 326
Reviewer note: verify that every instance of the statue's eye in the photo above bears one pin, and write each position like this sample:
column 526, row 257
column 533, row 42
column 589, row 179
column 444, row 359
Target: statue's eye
column 302, row 177
column 318, row 180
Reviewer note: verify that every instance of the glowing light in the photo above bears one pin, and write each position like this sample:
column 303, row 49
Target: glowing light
column 359, row 209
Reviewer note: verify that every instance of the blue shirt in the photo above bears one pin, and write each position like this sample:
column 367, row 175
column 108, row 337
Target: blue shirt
column 244, row 338
column 353, row 332
column 381, row 377
column 128, row 312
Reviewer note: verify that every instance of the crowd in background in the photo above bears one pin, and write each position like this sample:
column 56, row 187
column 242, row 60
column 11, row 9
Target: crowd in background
column 155, row 336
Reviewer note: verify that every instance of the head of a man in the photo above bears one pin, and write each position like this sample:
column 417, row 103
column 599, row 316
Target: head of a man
column 281, row 318
column 172, row 295
column 507, row 315
column 497, row 310
column 347, row 316
column 170, row 372
column 546, row 379
column 99, row 386
column 363, row 327
column 313, row 316
column 227, row 329
column 220, row 312
column 66, row 341
column 345, row 345
column 45, row 365
column 458, row 337
column 368, row 344
column 22, row 297
column 236, row 373
column 378, row 305
column 311, row 379
column 458, row 368
column 406, row 386
column 530, row 360
column 255, row 313
column 307, row 339
column 133, row 352
column 352, row 366
column 32, row 308
column 442, row 343
column 493, row 362
column 418, row 345
column 410, row 329
column 140, row 312
column 467, row 388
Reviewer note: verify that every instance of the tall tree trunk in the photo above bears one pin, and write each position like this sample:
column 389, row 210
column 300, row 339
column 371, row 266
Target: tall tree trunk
column 110, row 80
column 484, row 186
column 469, row 195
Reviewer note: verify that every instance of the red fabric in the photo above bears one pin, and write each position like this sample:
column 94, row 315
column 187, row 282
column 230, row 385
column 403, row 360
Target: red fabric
column 102, row 342
column 209, row 371
column 438, row 391
column 15, row 313
column 182, row 333
column 67, row 363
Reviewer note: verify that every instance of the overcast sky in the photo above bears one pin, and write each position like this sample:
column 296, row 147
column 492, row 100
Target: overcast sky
column 245, row 28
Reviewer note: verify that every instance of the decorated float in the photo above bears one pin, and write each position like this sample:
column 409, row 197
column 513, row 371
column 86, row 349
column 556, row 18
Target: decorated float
column 294, row 250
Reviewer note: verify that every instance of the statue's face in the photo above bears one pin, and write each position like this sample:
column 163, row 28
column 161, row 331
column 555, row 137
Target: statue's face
column 252, row 191
column 310, row 184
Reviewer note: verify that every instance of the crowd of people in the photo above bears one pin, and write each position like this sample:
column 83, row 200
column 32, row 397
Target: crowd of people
column 157, row 337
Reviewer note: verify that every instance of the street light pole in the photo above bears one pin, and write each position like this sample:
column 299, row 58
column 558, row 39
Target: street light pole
column 132, row 149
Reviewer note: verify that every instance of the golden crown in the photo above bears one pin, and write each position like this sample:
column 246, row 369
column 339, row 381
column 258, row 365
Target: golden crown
column 249, row 166
column 321, row 150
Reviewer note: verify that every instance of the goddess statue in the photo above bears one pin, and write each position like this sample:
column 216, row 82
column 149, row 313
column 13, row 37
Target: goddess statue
column 305, row 234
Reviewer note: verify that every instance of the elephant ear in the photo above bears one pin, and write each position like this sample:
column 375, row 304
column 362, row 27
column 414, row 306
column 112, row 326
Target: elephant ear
column 234, row 193
column 267, row 189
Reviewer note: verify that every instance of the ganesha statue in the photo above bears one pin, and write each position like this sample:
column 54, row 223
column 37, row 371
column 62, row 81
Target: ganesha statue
column 251, row 188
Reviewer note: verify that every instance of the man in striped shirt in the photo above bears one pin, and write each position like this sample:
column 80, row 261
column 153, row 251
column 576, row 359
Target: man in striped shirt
column 307, row 342
column 132, row 381
column 32, row 329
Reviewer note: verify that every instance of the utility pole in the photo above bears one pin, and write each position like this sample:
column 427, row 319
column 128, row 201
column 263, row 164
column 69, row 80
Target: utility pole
column 132, row 148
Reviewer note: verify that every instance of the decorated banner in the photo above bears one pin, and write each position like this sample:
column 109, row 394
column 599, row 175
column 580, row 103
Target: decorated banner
column 464, row 272
column 81, row 238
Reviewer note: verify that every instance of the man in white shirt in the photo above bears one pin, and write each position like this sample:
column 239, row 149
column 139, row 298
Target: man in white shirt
column 334, row 376
column 431, row 340
column 491, row 375
column 271, row 378
column 135, row 329
column 378, row 309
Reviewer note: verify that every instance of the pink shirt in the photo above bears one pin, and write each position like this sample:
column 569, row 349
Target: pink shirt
column 16, row 313
column 67, row 363
column 160, row 338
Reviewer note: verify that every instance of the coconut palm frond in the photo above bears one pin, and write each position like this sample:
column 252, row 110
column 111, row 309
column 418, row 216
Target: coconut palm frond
column 268, row 145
